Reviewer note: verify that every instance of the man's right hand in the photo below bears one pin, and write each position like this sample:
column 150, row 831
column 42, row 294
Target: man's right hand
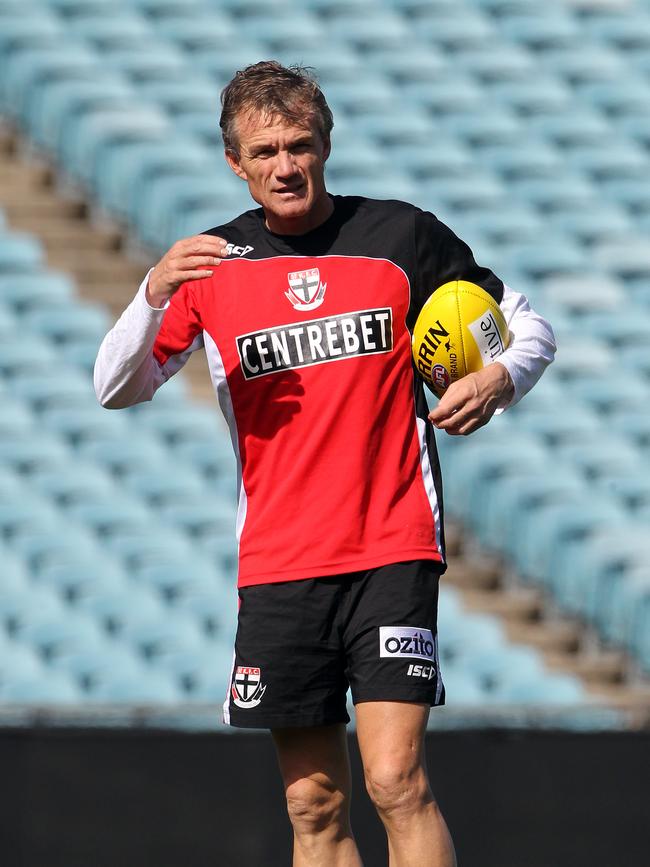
column 188, row 259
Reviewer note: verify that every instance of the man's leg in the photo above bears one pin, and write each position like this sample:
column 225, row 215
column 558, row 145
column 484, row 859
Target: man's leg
column 391, row 740
column 316, row 772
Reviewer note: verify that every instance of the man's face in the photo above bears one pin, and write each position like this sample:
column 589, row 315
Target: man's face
column 283, row 164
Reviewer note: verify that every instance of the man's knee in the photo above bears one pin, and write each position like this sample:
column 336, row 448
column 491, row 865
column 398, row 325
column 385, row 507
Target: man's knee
column 314, row 806
column 398, row 789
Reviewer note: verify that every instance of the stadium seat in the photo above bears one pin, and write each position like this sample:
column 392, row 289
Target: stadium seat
column 555, row 689
column 25, row 291
column 530, row 96
column 54, row 109
column 19, row 253
column 108, row 31
column 26, row 71
column 43, row 689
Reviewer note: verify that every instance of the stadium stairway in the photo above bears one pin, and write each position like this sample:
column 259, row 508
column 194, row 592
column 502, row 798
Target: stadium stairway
column 109, row 270
column 107, row 266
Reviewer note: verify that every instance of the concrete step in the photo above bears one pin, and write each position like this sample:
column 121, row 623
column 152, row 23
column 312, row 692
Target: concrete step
column 72, row 235
column 594, row 667
column 519, row 605
column 19, row 203
column 99, row 267
column 548, row 636
column 472, row 572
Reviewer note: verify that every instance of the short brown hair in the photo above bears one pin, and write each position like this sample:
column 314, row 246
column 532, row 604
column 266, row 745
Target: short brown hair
column 290, row 92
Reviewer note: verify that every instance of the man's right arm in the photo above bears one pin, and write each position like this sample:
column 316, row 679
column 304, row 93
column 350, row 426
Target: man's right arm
column 154, row 337
column 126, row 370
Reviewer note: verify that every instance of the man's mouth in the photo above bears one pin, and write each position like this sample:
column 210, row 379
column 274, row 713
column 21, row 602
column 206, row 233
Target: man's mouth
column 290, row 190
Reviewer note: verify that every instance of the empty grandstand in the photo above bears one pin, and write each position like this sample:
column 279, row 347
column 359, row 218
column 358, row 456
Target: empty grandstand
column 521, row 125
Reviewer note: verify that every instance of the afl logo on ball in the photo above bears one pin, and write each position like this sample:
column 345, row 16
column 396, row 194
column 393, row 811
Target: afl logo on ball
column 440, row 377
column 247, row 689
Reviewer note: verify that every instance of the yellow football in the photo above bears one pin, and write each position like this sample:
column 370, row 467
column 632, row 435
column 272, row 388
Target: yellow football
column 460, row 330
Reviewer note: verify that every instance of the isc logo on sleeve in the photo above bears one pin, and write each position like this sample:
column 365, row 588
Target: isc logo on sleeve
column 409, row 641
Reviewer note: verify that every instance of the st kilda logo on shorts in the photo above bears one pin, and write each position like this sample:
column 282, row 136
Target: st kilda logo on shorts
column 306, row 290
column 406, row 641
column 247, row 689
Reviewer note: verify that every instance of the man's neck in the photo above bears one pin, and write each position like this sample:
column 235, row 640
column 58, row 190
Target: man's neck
column 301, row 225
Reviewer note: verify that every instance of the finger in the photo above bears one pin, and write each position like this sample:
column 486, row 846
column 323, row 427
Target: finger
column 191, row 263
column 195, row 275
column 203, row 245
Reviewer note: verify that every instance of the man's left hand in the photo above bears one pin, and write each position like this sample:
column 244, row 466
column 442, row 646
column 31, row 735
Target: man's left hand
column 470, row 403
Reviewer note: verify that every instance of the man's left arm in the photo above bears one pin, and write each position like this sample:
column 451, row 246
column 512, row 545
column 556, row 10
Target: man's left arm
column 470, row 403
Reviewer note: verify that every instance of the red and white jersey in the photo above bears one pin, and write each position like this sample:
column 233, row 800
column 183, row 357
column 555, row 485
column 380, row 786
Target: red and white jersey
column 309, row 347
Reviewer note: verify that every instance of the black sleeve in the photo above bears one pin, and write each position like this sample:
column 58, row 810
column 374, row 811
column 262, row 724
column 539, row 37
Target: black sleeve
column 441, row 256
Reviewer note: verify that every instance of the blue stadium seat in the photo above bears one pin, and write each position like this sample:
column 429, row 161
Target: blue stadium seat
column 66, row 543
column 20, row 253
column 579, row 63
column 26, row 71
column 496, row 60
column 121, row 456
column 123, row 175
column 384, row 28
column 481, row 129
column 617, row 98
column 56, row 387
column 92, row 135
column 174, row 580
column 421, row 63
column 32, row 289
column 530, row 96
column 222, row 65
column 546, row 26
column 591, row 227
column 19, row 357
column 68, row 323
column 52, row 110
column 32, row 452
column 610, row 158
column 452, row 33
column 210, row 514
column 20, row 30
column 155, row 687
column 84, row 579
column 46, row 689
column 630, row 31
column 107, row 31
column 72, row 481
column 532, row 159
column 94, row 669
column 176, row 484
column 554, row 689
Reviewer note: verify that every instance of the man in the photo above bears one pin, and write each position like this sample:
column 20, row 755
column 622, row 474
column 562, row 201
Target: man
column 304, row 307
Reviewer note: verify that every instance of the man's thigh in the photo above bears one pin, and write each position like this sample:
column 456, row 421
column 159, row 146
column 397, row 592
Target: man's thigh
column 289, row 665
column 391, row 636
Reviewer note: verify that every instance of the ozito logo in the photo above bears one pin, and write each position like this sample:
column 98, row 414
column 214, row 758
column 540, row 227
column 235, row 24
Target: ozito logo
column 401, row 641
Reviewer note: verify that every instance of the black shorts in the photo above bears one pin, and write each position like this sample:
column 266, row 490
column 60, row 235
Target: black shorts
column 300, row 644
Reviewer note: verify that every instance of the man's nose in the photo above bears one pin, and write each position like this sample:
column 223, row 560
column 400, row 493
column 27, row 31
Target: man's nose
column 285, row 166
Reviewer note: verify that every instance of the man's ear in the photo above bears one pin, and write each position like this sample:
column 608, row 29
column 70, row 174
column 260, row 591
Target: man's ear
column 327, row 148
column 232, row 159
